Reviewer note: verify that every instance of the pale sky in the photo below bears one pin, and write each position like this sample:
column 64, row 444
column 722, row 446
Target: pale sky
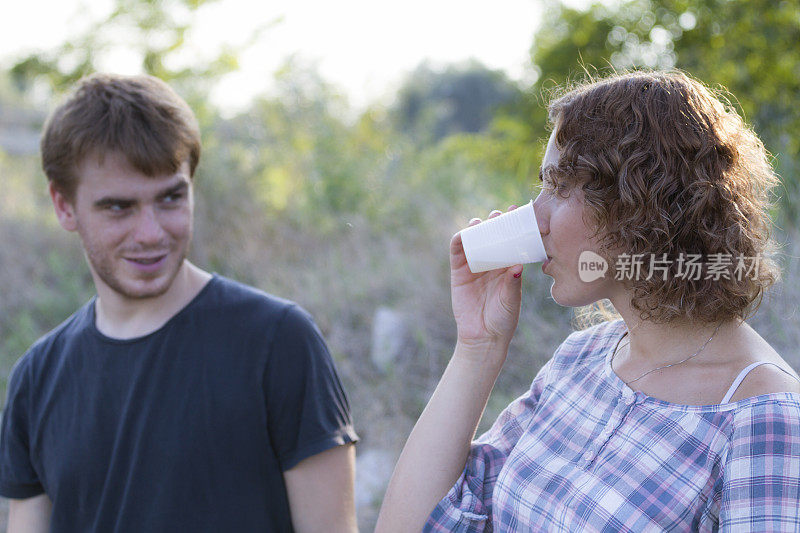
column 362, row 46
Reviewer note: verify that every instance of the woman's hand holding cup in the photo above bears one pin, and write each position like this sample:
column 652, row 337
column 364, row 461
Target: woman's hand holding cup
column 486, row 305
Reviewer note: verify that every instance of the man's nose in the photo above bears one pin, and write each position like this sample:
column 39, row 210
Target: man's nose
column 148, row 227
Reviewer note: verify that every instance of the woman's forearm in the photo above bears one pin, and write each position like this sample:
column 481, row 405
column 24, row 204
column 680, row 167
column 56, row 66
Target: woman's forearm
column 436, row 451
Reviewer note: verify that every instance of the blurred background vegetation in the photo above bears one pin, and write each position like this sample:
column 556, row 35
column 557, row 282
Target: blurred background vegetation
column 349, row 212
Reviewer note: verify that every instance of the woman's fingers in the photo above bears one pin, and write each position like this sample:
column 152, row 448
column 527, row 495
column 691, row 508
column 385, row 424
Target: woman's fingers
column 493, row 214
column 457, row 248
column 455, row 244
column 457, row 257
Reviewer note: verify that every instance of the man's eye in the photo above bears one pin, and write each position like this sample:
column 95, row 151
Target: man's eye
column 117, row 208
column 172, row 198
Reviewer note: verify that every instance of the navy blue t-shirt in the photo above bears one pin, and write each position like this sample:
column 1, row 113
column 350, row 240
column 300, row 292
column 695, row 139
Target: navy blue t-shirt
column 188, row 428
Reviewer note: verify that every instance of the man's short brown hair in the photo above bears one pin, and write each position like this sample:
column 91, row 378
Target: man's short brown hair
column 138, row 116
column 667, row 168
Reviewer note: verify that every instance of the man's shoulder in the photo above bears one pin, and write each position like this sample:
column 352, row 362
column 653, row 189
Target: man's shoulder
column 230, row 307
column 229, row 293
column 74, row 325
column 244, row 304
column 53, row 342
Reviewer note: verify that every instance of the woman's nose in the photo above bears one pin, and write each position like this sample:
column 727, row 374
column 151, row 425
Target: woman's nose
column 540, row 209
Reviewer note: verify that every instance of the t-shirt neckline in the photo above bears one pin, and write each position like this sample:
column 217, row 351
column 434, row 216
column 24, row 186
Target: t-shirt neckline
column 133, row 340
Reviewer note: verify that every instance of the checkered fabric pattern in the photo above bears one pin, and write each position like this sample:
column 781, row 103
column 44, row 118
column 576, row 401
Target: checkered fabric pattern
column 581, row 451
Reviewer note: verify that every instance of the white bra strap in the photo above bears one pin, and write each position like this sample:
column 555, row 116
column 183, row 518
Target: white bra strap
column 743, row 374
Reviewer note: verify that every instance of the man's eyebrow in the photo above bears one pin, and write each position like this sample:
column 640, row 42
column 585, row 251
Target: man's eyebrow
column 112, row 200
column 179, row 187
column 107, row 201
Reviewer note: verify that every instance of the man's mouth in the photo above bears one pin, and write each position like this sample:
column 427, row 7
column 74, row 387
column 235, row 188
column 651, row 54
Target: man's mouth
column 146, row 260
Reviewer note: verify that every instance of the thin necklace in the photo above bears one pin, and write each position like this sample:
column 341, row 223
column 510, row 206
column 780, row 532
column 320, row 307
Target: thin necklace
column 665, row 366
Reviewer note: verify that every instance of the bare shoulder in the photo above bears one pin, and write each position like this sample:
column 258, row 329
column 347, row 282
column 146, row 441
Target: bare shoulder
column 768, row 379
column 778, row 376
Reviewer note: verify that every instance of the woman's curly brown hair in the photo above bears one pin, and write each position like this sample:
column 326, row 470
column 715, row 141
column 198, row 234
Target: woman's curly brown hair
column 667, row 168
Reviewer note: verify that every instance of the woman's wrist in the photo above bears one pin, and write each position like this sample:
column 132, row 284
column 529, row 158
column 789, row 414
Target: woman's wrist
column 484, row 354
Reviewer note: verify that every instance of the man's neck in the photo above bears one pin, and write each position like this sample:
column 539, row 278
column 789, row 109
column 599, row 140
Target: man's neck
column 121, row 317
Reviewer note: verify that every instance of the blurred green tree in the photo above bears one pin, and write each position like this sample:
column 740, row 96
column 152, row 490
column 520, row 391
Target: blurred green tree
column 299, row 154
column 432, row 104
column 154, row 31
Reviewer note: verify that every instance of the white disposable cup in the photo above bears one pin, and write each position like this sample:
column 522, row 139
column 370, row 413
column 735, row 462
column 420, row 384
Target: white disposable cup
column 512, row 238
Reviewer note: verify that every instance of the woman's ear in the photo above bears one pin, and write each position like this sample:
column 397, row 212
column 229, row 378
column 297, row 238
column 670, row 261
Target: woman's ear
column 65, row 210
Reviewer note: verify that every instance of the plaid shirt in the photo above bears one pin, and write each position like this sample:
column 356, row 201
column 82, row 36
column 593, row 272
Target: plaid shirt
column 581, row 451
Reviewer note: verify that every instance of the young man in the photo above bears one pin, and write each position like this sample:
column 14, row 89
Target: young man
column 174, row 400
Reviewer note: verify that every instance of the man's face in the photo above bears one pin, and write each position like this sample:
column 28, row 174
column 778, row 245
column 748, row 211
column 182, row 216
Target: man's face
column 135, row 229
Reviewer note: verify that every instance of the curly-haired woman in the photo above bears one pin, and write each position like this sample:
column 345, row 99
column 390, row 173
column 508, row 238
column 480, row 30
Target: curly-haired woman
column 676, row 416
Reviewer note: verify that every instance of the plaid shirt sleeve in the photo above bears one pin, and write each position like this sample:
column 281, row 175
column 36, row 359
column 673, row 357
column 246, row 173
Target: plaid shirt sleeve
column 467, row 507
column 761, row 487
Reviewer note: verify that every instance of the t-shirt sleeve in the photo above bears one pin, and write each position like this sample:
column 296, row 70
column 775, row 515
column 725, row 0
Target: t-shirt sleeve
column 18, row 478
column 307, row 408
column 467, row 507
column 761, row 487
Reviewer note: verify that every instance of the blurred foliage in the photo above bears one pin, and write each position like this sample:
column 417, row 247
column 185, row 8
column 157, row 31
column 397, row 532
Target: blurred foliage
column 155, row 32
column 155, row 29
column 433, row 104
